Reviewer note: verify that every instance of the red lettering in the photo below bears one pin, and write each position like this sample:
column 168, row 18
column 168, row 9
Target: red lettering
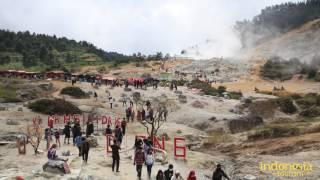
column 104, row 120
column 109, row 121
column 157, row 144
column 117, row 122
column 179, row 147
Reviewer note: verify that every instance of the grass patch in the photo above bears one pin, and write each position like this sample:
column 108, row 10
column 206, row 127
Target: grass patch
column 55, row 106
column 216, row 137
column 274, row 131
column 74, row 92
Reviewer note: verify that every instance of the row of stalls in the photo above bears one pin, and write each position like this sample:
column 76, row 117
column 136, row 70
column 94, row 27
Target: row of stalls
column 61, row 75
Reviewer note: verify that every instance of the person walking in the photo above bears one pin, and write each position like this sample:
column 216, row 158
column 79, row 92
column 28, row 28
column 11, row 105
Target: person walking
column 57, row 136
column 95, row 96
column 192, row 175
column 85, row 147
column 160, row 175
column 169, row 172
column 139, row 160
column 75, row 132
column 66, row 132
column 124, row 102
column 177, row 176
column 132, row 115
column 90, row 128
column 47, row 136
column 115, row 155
column 128, row 113
column 78, row 142
column 118, row 134
column 143, row 114
column 219, row 173
column 149, row 162
column 123, row 126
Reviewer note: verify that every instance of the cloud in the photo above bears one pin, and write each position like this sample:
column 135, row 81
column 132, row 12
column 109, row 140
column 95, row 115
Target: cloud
column 129, row 26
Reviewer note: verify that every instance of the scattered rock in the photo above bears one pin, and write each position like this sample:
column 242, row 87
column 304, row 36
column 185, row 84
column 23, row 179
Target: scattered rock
column 249, row 177
column 12, row 122
column 85, row 108
column 11, row 137
column 202, row 125
column 198, row 104
column 182, row 98
column 66, row 153
column 3, row 108
column 178, row 92
column 56, row 167
column 213, row 118
column 46, row 86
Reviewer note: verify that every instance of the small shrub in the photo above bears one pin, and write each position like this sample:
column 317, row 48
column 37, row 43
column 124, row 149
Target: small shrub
column 311, row 112
column 286, row 105
column 215, row 138
column 274, row 131
column 221, row 89
column 74, row 92
column 56, row 106
column 235, row 95
column 205, row 87
column 244, row 123
column 308, row 100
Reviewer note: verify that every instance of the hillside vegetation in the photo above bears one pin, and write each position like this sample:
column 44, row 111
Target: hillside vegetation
column 23, row 50
column 277, row 68
column 277, row 19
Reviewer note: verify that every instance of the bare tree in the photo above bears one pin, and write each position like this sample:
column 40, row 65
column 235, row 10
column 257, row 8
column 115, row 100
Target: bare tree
column 34, row 134
column 155, row 117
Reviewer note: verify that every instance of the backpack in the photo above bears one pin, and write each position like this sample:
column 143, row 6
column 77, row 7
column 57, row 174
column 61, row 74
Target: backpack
column 51, row 154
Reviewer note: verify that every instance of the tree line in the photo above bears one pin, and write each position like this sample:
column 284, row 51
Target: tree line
column 277, row 19
column 41, row 49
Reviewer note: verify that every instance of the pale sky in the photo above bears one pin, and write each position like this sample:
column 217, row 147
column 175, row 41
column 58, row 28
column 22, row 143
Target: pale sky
column 129, row 26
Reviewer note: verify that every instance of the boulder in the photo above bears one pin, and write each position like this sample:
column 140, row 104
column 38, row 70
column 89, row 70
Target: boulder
column 182, row 98
column 12, row 122
column 178, row 92
column 127, row 89
column 198, row 104
column 20, row 109
column 3, row 108
column 92, row 141
column 66, row 153
column 249, row 177
column 46, row 86
column 56, row 167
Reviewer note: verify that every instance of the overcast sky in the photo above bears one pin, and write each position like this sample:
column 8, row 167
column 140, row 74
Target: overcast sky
column 129, row 26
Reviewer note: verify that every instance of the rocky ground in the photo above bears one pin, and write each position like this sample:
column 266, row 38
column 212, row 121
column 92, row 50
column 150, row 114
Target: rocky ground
column 198, row 118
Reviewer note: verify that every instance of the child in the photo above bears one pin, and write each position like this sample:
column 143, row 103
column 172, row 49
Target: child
column 57, row 136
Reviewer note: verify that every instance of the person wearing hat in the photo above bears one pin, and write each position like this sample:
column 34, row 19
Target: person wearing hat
column 177, row 176
column 169, row 172
column 219, row 173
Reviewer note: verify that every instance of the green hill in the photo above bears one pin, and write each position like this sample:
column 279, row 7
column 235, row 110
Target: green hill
column 37, row 52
